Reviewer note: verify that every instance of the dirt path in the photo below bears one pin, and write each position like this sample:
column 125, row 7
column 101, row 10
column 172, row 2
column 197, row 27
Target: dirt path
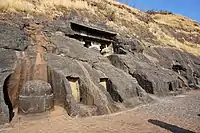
column 180, row 114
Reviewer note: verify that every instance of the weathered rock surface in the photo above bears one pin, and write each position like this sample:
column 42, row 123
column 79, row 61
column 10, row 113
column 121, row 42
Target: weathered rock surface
column 90, row 72
column 36, row 96
column 12, row 37
column 7, row 60
column 183, row 63
column 153, row 78
column 41, row 66
column 125, row 45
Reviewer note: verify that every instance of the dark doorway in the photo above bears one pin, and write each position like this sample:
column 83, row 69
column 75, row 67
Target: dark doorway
column 170, row 87
column 7, row 98
column 87, row 44
column 109, row 86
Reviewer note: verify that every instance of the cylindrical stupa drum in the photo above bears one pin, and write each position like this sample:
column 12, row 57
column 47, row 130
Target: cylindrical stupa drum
column 36, row 96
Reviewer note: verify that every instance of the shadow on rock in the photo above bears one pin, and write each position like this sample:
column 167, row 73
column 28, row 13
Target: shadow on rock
column 198, row 115
column 172, row 128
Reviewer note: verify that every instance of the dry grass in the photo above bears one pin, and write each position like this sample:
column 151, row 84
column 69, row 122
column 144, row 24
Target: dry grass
column 40, row 6
column 124, row 19
column 16, row 5
column 168, row 40
column 177, row 21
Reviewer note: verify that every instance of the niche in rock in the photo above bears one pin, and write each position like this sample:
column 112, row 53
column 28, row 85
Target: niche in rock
column 178, row 68
column 7, row 98
column 196, row 78
column 107, row 84
column 103, row 82
column 146, row 84
column 170, row 87
column 74, row 84
column 87, row 44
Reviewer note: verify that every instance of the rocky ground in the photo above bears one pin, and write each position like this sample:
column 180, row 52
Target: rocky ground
column 176, row 114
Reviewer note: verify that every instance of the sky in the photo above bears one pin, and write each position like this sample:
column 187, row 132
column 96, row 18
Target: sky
column 188, row 8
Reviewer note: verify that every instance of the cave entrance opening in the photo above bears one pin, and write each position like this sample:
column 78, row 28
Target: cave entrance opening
column 107, row 84
column 87, row 44
column 75, row 88
column 7, row 98
column 170, row 87
column 103, row 82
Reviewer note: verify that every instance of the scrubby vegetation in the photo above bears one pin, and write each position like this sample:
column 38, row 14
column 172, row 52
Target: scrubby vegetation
column 158, row 12
column 151, row 27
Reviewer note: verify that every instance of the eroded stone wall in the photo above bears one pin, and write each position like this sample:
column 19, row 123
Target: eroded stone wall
column 46, row 54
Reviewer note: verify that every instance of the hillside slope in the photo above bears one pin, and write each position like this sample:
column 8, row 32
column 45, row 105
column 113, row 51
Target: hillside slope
column 151, row 28
column 92, row 57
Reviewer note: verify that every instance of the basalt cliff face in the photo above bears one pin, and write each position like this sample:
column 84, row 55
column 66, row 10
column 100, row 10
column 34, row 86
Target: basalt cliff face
column 92, row 57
